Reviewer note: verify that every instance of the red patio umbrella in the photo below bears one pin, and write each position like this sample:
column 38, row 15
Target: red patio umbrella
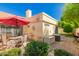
column 14, row 21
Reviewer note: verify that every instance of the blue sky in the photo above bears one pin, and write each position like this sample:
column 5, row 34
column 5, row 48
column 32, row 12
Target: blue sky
column 53, row 9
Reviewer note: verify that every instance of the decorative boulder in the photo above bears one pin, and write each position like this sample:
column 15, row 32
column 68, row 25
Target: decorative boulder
column 76, row 34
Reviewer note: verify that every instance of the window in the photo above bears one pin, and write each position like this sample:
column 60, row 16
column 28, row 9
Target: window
column 8, row 29
column 46, row 24
column 47, row 27
column 56, row 30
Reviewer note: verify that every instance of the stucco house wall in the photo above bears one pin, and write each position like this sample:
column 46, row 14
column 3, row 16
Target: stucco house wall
column 52, row 23
column 37, row 27
column 34, row 28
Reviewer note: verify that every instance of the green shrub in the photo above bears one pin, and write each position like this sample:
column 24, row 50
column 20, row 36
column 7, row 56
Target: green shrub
column 68, row 28
column 36, row 48
column 61, row 52
column 11, row 52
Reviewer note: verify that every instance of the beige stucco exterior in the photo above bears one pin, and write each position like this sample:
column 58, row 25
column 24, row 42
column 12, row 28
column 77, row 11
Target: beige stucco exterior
column 52, row 23
column 37, row 28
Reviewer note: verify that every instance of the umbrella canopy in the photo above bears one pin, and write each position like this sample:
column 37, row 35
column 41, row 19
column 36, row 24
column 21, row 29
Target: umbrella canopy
column 14, row 21
column 7, row 20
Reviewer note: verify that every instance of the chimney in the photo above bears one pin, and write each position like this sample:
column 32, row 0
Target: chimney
column 28, row 13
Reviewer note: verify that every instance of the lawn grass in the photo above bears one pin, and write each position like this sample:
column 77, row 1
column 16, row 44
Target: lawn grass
column 68, row 35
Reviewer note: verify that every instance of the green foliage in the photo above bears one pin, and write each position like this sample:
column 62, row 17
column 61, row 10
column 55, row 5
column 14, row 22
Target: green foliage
column 11, row 52
column 70, row 12
column 36, row 48
column 70, row 15
column 61, row 23
column 68, row 28
column 61, row 52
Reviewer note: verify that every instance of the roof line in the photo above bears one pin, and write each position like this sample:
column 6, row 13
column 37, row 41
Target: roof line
column 48, row 16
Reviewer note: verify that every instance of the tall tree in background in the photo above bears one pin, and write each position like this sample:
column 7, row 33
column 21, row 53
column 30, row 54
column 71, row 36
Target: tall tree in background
column 70, row 16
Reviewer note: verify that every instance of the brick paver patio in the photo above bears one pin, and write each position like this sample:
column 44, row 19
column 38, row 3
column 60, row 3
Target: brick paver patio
column 67, row 44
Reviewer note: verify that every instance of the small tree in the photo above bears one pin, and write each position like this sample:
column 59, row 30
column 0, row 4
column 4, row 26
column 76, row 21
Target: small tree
column 68, row 28
column 61, row 23
column 36, row 48
column 70, row 15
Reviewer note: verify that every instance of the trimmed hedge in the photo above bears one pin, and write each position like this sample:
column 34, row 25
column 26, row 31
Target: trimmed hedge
column 61, row 52
column 11, row 52
column 36, row 48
